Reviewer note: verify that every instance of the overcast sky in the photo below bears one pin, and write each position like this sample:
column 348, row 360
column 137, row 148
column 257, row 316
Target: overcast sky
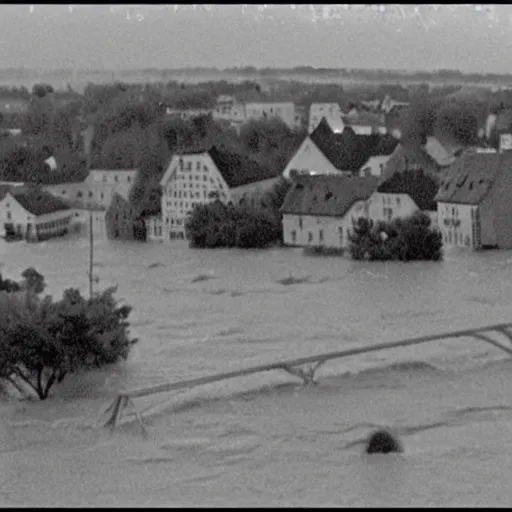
column 465, row 37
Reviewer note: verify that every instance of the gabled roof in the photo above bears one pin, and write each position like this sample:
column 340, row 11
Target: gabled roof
column 326, row 195
column 37, row 201
column 438, row 152
column 238, row 170
column 348, row 151
column 420, row 187
column 470, row 178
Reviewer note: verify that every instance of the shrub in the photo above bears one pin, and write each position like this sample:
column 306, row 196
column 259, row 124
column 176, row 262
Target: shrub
column 41, row 341
column 220, row 225
column 401, row 239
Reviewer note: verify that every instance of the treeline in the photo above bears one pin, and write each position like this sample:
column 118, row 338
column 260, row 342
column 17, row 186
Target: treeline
column 43, row 340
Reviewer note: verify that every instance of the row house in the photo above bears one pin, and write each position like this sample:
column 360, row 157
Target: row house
column 326, row 152
column 320, row 210
column 94, row 195
column 331, row 112
column 473, row 201
column 282, row 110
column 404, row 194
column 200, row 177
column 32, row 214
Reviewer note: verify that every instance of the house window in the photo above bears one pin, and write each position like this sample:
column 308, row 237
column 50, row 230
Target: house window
column 205, row 177
column 340, row 232
column 310, row 237
column 90, row 193
column 79, row 194
column 104, row 177
column 294, row 236
column 189, row 166
column 63, row 192
column 128, row 179
column 116, row 178
column 300, row 223
column 321, row 235
column 198, row 166
column 9, row 216
column 398, row 202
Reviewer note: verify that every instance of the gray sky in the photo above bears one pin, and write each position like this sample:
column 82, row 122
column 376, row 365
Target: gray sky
column 119, row 37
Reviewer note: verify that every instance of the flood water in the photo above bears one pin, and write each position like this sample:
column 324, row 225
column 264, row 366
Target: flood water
column 264, row 440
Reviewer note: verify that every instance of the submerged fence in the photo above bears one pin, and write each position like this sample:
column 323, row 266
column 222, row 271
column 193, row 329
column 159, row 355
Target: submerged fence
column 304, row 367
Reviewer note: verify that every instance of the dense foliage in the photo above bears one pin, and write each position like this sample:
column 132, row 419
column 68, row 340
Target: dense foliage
column 401, row 239
column 42, row 340
column 219, row 225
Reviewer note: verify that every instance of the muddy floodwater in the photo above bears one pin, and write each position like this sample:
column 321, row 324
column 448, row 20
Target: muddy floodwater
column 263, row 439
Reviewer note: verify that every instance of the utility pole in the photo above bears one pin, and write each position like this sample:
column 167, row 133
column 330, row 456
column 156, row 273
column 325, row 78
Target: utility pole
column 91, row 255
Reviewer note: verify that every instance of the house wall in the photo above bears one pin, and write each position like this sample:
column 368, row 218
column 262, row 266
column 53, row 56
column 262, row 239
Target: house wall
column 306, row 230
column 455, row 222
column 386, row 207
column 154, row 232
column 364, row 129
column 191, row 183
column 121, row 222
column 309, row 158
column 97, row 190
column 498, row 203
column 26, row 224
column 81, row 223
column 374, row 166
column 185, row 185
column 331, row 111
column 285, row 111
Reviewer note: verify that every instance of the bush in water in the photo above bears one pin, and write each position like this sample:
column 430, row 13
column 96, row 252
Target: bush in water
column 401, row 239
column 382, row 441
column 41, row 341
column 219, row 225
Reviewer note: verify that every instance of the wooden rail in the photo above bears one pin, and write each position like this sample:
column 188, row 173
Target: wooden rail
column 293, row 366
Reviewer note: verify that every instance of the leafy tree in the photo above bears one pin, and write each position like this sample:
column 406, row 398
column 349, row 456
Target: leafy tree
column 41, row 90
column 401, row 239
column 41, row 341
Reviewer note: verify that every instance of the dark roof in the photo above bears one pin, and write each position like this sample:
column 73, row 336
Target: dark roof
column 329, row 195
column 348, row 151
column 4, row 188
column 37, row 201
column 238, row 170
column 420, row 187
column 470, row 178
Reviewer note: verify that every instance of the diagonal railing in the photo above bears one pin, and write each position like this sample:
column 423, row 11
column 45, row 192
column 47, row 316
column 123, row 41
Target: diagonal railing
column 295, row 366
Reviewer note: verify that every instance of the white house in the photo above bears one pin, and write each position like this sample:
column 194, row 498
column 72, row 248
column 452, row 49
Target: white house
column 404, row 194
column 200, row 177
column 282, row 110
column 326, row 152
column 374, row 166
column 473, row 202
column 330, row 111
column 94, row 194
column 320, row 210
column 33, row 214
